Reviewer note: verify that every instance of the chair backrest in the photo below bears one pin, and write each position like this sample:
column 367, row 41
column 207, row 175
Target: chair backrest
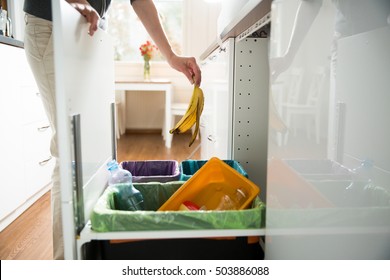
column 316, row 85
column 294, row 85
column 178, row 109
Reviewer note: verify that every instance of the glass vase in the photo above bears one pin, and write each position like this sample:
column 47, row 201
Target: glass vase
column 146, row 70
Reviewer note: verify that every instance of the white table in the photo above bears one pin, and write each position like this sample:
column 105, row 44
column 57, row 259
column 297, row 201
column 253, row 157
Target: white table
column 153, row 85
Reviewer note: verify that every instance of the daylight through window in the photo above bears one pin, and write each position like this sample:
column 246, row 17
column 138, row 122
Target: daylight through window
column 129, row 34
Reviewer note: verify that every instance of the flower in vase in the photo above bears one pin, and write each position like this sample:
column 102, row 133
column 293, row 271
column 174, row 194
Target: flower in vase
column 147, row 51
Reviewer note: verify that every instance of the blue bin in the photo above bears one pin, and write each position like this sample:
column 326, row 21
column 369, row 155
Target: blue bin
column 189, row 167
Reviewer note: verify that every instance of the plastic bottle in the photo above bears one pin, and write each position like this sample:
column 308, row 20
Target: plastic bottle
column 3, row 21
column 127, row 196
column 355, row 193
column 232, row 203
column 118, row 175
column 363, row 171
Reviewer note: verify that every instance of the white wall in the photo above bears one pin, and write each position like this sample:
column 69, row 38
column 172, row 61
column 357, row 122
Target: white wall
column 145, row 110
column 200, row 26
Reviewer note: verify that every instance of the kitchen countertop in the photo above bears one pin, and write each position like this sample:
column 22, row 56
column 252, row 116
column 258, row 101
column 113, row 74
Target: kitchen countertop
column 10, row 41
column 250, row 13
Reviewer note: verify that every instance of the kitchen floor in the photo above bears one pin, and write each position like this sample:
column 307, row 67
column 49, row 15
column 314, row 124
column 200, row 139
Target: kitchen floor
column 29, row 237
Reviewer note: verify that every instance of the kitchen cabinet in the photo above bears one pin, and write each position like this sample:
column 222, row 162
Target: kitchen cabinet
column 234, row 123
column 86, row 147
column 26, row 163
column 329, row 183
column 235, row 120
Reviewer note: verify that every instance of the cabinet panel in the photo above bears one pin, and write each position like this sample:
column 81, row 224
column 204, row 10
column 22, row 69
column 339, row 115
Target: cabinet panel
column 37, row 162
column 206, row 139
column 250, row 110
column 25, row 137
column 32, row 107
column 330, row 177
column 217, row 85
column 10, row 120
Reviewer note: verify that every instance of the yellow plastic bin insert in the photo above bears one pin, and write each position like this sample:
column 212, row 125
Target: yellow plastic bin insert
column 210, row 185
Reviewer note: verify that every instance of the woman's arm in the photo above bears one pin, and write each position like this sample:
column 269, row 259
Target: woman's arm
column 147, row 12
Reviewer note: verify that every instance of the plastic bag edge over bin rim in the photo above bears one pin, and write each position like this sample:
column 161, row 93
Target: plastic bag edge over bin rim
column 238, row 167
column 155, row 178
column 104, row 219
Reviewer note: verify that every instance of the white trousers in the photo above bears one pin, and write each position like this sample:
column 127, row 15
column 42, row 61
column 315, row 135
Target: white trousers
column 38, row 44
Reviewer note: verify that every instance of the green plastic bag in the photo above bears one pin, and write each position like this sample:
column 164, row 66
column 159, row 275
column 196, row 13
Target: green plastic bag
column 105, row 218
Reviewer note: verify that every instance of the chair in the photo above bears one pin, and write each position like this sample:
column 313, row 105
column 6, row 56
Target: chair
column 120, row 114
column 310, row 108
column 178, row 109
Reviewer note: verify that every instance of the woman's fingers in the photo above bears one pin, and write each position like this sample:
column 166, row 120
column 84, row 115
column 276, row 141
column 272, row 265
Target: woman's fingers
column 90, row 15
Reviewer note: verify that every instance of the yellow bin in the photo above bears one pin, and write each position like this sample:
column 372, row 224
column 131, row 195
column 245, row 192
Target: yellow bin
column 210, row 184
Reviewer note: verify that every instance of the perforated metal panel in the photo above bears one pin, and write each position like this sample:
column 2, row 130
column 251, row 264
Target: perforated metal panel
column 250, row 109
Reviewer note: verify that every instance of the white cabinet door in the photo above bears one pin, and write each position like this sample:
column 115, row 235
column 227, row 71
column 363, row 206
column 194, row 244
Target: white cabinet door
column 331, row 175
column 36, row 134
column 26, row 165
column 31, row 103
column 11, row 164
column 85, row 88
column 37, row 161
column 217, row 72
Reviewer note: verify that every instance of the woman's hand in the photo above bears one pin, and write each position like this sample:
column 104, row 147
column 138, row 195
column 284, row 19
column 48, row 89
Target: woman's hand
column 147, row 12
column 88, row 12
column 188, row 66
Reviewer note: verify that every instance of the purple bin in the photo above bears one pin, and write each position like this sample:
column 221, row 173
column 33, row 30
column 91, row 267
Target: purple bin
column 153, row 170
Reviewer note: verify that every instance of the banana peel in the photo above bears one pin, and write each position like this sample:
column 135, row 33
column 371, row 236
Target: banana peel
column 192, row 115
column 198, row 114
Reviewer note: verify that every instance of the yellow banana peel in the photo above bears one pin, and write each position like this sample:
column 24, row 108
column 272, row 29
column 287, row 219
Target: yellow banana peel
column 192, row 115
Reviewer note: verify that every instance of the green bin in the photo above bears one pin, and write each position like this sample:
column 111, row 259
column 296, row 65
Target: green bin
column 106, row 218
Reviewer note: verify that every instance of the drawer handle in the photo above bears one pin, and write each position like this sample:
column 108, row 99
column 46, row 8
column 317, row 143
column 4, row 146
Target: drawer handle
column 43, row 128
column 211, row 58
column 43, row 162
column 211, row 138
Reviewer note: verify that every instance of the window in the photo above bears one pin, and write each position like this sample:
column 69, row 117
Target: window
column 129, row 34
